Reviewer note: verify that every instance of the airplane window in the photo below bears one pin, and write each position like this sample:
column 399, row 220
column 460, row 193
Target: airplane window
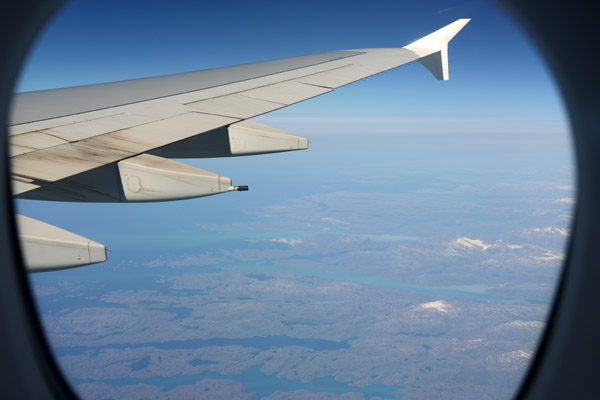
column 412, row 250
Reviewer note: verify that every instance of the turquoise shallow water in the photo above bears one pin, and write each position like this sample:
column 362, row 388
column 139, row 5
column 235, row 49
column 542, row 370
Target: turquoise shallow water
column 262, row 384
column 257, row 342
column 384, row 282
column 388, row 238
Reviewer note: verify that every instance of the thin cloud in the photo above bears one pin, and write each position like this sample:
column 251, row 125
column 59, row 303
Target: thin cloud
column 443, row 10
column 567, row 200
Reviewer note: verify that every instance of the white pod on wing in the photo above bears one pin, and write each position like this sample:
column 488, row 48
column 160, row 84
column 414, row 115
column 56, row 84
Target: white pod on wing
column 46, row 247
column 239, row 139
column 249, row 137
column 151, row 178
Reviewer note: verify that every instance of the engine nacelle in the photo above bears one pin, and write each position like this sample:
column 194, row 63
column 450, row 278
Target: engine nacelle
column 239, row 139
column 46, row 247
column 136, row 179
column 151, row 178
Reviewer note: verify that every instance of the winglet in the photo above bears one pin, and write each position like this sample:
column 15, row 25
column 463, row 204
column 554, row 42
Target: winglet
column 437, row 61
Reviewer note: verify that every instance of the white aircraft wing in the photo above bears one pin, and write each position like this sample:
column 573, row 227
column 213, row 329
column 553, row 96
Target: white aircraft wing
column 113, row 142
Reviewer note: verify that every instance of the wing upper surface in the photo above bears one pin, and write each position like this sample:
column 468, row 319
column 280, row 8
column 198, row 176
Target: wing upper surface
column 55, row 134
column 45, row 104
column 48, row 150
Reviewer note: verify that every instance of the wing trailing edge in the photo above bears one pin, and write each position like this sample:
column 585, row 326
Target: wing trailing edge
column 433, row 48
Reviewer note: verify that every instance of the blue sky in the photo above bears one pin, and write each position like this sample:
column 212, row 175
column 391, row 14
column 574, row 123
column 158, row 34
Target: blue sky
column 498, row 82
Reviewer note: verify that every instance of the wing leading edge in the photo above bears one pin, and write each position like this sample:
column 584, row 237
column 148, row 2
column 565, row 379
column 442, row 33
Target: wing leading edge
column 112, row 141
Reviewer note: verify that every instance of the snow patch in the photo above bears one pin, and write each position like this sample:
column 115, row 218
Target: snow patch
column 334, row 221
column 551, row 230
column 516, row 356
column 290, row 242
column 472, row 243
column 551, row 255
column 527, row 324
column 439, row 305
